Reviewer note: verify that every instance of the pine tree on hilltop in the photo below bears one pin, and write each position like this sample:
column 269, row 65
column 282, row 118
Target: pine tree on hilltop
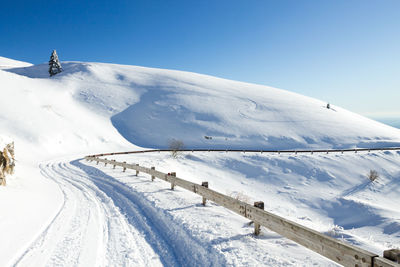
column 54, row 64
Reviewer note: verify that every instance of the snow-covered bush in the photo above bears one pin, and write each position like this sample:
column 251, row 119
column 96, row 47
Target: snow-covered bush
column 373, row 175
column 7, row 162
column 54, row 64
column 335, row 231
column 175, row 146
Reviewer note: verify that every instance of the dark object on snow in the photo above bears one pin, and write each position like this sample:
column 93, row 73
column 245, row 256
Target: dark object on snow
column 54, row 64
column 373, row 175
column 392, row 254
column 208, row 137
column 328, row 106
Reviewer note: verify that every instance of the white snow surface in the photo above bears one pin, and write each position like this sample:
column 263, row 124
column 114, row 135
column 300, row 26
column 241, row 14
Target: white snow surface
column 59, row 210
column 6, row 63
column 150, row 107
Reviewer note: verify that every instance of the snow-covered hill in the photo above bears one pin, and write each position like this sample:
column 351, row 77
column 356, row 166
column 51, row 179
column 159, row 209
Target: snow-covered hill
column 96, row 107
column 150, row 107
column 6, row 63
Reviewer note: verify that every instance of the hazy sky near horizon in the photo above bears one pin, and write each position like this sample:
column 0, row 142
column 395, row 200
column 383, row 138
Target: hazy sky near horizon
column 346, row 52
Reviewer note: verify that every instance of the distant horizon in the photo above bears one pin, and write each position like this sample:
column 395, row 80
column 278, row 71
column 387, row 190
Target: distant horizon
column 389, row 121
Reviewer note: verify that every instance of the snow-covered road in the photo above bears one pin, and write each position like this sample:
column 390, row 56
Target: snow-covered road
column 124, row 220
column 89, row 230
column 103, row 223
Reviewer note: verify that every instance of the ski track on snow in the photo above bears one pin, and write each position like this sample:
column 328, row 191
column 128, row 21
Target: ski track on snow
column 102, row 222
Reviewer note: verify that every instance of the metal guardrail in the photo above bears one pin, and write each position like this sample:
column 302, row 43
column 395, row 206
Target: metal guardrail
column 308, row 151
column 336, row 250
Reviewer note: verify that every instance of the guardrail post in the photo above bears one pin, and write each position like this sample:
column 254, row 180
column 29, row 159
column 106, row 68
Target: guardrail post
column 392, row 254
column 205, row 184
column 173, row 174
column 257, row 227
column 97, row 162
column 153, row 177
column 137, row 172
column 124, row 168
column 114, row 164
column 105, row 163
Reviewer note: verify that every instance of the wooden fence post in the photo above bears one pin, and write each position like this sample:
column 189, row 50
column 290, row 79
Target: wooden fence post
column 114, row 164
column 97, row 162
column 173, row 174
column 124, row 168
column 205, row 184
column 257, row 227
column 152, row 177
column 392, row 254
column 137, row 172
column 105, row 163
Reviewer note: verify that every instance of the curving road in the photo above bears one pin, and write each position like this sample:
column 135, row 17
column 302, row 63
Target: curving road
column 102, row 222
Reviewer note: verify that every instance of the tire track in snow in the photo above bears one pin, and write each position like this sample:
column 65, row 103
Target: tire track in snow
column 119, row 231
column 102, row 222
column 56, row 244
column 167, row 238
column 87, row 231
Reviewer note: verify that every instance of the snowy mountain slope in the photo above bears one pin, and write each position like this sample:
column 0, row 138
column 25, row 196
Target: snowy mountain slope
column 95, row 107
column 45, row 122
column 6, row 63
column 150, row 107
column 42, row 115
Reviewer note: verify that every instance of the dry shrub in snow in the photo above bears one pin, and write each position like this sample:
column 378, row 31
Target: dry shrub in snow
column 239, row 196
column 7, row 162
column 373, row 175
column 175, row 146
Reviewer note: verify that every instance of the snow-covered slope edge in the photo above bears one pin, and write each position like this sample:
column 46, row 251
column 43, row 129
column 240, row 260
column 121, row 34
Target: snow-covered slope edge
column 46, row 122
column 7, row 63
column 150, row 107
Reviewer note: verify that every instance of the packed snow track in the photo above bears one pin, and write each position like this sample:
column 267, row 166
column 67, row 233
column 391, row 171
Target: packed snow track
column 103, row 223
column 114, row 218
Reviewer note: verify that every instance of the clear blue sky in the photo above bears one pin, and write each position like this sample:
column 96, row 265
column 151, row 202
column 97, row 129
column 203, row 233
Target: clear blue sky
column 345, row 52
